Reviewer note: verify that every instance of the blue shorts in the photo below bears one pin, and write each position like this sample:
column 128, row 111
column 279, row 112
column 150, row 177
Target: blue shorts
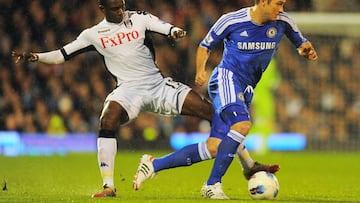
column 231, row 99
column 219, row 128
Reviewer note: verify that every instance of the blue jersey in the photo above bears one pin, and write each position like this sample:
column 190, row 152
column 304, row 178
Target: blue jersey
column 249, row 47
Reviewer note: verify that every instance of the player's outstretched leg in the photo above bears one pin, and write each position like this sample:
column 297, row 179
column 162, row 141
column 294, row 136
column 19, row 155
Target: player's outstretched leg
column 213, row 191
column 105, row 192
column 144, row 171
column 260, row 167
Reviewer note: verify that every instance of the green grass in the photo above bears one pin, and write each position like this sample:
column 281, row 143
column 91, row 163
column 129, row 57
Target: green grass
column 315, row 177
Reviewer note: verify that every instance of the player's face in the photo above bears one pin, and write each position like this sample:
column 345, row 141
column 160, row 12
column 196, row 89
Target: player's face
column 114, row 10
column 274, row 8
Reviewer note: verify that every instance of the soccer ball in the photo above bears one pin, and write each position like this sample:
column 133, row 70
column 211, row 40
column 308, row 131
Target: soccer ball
column 263, row 185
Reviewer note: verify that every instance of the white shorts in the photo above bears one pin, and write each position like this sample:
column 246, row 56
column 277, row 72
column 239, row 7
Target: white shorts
column 163, row 97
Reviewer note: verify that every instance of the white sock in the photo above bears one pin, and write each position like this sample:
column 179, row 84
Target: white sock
column 245, row 159
column 203, row 151
column 107, row 148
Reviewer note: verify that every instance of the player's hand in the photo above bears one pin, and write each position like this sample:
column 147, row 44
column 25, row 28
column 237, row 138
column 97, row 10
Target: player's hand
column 177, row 33
column 200, row 78
column 26, row 56
column 307, row 50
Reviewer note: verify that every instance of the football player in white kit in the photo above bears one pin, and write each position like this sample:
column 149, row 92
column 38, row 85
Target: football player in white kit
column 120, row 39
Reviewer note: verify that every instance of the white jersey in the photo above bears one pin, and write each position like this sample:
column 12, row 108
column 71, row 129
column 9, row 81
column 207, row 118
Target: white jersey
column 140, row 85
column 126, row 56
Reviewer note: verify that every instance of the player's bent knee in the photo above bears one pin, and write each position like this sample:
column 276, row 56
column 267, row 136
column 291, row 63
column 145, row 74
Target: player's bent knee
column 237, row 116
column 242, row 127
column 212, row 145
column 212, row 149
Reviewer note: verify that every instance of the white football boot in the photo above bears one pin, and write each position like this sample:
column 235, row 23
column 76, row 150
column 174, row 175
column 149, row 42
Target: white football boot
column 145, row 171
column 213, row 191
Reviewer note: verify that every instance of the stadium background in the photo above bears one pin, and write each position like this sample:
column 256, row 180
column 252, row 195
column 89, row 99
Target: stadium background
column 318, row 99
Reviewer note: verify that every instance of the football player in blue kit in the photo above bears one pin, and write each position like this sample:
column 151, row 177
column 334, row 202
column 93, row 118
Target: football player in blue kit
column 251, row 36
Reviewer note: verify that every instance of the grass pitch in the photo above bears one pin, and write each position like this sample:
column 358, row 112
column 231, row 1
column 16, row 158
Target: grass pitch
column 315, row 177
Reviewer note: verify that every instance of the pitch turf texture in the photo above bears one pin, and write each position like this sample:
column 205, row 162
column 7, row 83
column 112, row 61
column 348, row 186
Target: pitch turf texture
column 316, row 177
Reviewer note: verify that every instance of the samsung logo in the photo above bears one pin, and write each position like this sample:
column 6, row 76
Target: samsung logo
column 256, row 45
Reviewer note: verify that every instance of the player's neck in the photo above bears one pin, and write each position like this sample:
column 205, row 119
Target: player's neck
column 257, row 15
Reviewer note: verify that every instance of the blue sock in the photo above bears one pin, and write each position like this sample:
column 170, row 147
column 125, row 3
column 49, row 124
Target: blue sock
column 225, row 155
column 184, row 157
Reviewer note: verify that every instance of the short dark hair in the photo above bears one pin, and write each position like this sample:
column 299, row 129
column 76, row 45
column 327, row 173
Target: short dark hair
column 256, row 1
column 102, row 2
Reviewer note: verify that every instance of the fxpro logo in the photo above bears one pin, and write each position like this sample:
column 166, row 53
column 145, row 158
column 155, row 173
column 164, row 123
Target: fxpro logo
column 118, row 39
column 256, row 45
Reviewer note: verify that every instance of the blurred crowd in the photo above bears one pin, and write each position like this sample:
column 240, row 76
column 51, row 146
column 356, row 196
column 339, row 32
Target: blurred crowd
column 318, row 99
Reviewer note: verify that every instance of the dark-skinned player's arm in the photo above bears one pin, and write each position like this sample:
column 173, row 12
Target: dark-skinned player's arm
column 51, row 57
